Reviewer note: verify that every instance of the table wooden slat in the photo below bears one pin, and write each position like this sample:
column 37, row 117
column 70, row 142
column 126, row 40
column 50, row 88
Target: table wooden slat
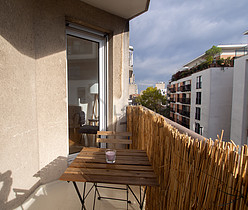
column 111, row 166
column 118, row 162
column 110, row 180
column 118, row 157
column 131, row 167
column 119, row 153
column 97, row 150
column 110, row 172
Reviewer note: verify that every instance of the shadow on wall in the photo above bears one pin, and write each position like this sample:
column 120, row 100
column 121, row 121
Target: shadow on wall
column 17, row 28
column 22, row 194
column 40, row 25
column 5, row 183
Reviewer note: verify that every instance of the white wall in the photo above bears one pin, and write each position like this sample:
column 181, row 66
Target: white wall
column 240, row 105
column 205, row 100
column 220, row 102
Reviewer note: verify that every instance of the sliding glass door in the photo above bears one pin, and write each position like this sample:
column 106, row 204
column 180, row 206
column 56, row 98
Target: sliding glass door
column 86, row 66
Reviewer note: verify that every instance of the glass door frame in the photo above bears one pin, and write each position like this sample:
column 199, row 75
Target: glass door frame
column 102, row 40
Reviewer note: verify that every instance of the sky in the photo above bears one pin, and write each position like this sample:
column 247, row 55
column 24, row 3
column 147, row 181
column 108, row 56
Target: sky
column 173, row 32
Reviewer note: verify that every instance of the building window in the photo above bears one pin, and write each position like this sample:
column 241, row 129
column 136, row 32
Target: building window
column 198, row 128
column 198, row 113
column 198, row 97
column 130, row 56
column 198, row 82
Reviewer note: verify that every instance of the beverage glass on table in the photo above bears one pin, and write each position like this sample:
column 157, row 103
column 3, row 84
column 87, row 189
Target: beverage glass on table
column 110, row 155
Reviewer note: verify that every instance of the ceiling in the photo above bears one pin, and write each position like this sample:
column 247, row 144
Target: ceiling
column 127, row 9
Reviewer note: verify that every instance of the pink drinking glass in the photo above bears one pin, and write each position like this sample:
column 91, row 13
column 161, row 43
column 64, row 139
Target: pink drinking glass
column 110, row 155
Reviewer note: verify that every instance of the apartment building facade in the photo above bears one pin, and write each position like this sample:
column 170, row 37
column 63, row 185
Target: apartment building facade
column 202, row 101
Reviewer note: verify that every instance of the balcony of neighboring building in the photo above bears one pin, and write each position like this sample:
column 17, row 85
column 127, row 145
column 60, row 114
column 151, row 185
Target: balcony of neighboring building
column 172, row 116
column 185, row 122
column 172, row 99
column 172, row 109
column 173, row 89
column 184, row 100
column 185, row 88
column 185, row 113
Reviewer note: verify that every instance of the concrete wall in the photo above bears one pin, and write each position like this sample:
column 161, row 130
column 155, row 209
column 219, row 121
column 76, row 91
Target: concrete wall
column 205, row 101
column 240, row 104
column 220, row 102
column 33, row 124
column 216, row 102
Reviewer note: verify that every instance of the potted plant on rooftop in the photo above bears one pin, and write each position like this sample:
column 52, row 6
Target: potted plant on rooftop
column 211, row 54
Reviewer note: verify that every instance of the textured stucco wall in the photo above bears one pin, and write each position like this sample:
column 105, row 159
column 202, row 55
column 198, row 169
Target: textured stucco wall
column 19, row 156
column 33, row 86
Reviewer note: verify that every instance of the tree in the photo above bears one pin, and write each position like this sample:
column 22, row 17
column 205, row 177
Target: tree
column 211, row 53
column 152, row 99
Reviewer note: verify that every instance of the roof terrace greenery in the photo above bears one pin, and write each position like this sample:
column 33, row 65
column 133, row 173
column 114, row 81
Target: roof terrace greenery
column 213, row 59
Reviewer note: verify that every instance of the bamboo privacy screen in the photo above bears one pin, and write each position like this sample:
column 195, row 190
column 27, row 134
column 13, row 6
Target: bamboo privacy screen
column 192, row 174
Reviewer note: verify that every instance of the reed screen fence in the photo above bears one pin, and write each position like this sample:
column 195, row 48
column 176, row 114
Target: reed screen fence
column 192, row 173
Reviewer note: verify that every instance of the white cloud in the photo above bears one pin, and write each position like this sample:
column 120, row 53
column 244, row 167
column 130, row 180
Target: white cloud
column 172, row 33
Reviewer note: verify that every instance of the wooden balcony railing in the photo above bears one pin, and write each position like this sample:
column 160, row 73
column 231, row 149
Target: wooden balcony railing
column 194, row 173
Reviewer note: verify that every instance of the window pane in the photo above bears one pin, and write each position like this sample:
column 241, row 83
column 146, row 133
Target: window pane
column 82, row 61
column 198, row 97
column 198, row 113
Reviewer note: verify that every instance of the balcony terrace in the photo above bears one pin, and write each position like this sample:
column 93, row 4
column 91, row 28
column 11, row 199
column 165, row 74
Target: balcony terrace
column 194, row 172
column 202, row 66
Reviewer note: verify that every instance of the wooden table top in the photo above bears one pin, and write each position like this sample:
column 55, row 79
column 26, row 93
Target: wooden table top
column 132, row 167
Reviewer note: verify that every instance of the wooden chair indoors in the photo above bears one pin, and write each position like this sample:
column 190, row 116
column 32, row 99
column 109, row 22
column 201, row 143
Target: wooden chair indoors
column 120, row 140
column 76, row 119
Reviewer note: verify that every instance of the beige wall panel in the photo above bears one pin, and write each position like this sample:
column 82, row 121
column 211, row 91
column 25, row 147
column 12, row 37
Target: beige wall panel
column 18, row 123
column 33, row 123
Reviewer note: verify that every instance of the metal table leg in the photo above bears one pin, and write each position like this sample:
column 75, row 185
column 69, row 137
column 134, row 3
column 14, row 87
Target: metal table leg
column 141, row 201
column 82, row 198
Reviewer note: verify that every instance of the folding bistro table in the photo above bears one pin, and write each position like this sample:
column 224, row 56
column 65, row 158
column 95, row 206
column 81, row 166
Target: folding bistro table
column 132, row 167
